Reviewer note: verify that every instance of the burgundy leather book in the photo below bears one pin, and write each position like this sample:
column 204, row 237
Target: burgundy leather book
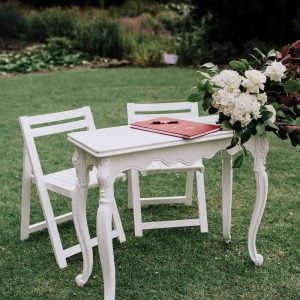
column 176, row 127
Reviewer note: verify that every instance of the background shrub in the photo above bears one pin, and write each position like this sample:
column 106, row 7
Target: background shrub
column 52, row 22
column 57, row 52
column 268, row 21
column 99, row 37
column 12, row 20
column 147, row 54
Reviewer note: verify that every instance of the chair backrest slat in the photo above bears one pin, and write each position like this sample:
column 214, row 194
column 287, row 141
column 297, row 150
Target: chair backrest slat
column 59, row 116
column 59, row 128
column 140, row 112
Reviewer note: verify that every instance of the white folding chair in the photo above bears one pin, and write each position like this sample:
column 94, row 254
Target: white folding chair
column 62, row 182
column 181, row 110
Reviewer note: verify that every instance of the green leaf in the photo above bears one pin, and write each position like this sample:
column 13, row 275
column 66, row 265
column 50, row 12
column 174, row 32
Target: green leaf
column 262, row 56
column 209, row 65
column 234, row 142
column 245, row 136
column 212, row 110
column 270, row 124
column 225, row 124
column 206, row 75
column 206, row 103
column 245, row 62
column 207, row 87
column 292, row 86
column 256, row 61
column 238, row 161
column 266, row 115
column 260, row 128
column 195, row 97
column 238, row 66
column 271, row 53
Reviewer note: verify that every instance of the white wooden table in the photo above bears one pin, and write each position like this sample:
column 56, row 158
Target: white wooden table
column 116, row 149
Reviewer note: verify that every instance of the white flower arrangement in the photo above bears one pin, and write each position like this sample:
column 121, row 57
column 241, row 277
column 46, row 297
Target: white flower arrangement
column 244, row 96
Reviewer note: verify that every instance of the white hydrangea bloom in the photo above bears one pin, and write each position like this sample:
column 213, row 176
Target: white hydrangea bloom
column 245, row 108
column 271, row 108
column 224, row 100
column 254, row 81
column 262, row 98
column 275, row 71
column 228, row 79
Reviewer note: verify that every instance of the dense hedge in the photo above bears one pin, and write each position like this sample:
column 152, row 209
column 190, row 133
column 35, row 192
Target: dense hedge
column 99, row 37
column 12, row 20
column 244, row 23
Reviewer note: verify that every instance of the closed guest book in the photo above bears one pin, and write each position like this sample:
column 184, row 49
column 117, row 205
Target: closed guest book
column 175, row 127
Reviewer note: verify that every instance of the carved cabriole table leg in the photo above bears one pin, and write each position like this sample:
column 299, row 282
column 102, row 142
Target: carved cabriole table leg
column 104, row 226
column 82, row 166
column 259, row 149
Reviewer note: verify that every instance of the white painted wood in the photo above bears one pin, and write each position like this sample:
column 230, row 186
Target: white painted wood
column 260, row 148
column 171, row 224
column 26, row 189
column 226, row 194
column 59, row 219
column 136, row 201
column 104, row 227
column 123, row 139
column 62, row 182
column 163, row 200
column 130, row 201
column 139, row 112
column 60, row 116
column 201, row 202
column 76, row 248
column 54, row 129
column 139, row 159
column 189, row 187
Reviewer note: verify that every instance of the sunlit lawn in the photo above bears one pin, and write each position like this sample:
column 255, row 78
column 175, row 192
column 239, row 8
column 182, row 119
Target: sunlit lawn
column 164, row 264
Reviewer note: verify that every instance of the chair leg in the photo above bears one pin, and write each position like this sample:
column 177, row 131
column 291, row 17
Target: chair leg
column 26, row 190
column 201, row 202
column 189, row 187
column 52, row 226
column 118, row 224
column 25, row 206
column 130, row 204
column 226, row 194
column 136, row 201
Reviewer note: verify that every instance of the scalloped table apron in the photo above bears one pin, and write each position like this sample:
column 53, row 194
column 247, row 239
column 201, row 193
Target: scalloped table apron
column 116, row 149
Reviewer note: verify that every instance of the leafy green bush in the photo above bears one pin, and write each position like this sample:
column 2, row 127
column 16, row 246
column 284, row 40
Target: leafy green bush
column 148, row 54
column 99, row 37
column 12, row 20
column 58, row 52
column 52, row 22
column 189, row 46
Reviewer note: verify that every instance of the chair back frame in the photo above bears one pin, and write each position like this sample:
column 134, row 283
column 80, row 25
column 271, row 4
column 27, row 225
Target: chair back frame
column 140, row 112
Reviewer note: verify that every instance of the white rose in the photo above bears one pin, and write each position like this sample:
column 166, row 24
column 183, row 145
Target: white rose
column 254, row 81
column 275, row 71
column 271, row 108
column 227, row 79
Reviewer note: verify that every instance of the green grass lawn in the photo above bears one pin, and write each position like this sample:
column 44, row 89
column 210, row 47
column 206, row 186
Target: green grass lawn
column 165, row 263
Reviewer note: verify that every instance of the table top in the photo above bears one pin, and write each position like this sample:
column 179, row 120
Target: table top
column 106, row 142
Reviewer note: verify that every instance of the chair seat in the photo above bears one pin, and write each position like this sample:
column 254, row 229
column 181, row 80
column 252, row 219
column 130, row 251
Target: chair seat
column 158, row 166
column 64, row 182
